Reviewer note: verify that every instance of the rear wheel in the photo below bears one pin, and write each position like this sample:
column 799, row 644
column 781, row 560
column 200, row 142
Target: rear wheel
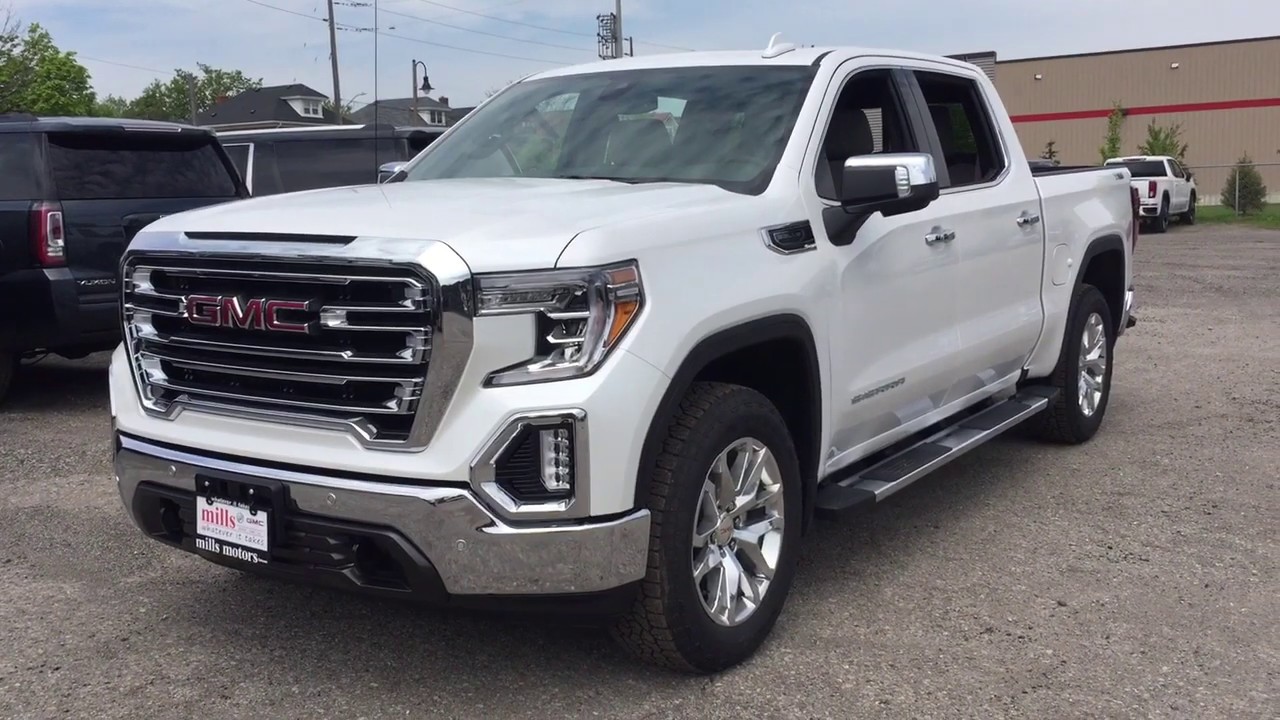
column 1083, row 374
column 725, row 501
column 1161, row 223
column 1189, row 217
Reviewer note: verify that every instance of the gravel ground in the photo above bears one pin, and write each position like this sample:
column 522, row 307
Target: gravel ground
column 1133, row 577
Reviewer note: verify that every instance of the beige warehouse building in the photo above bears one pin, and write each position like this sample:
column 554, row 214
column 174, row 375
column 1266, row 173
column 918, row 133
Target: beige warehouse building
column 1225, row 95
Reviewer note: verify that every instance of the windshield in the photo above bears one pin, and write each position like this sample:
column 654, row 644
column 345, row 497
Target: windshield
column 1144, row 168
column 725, row 126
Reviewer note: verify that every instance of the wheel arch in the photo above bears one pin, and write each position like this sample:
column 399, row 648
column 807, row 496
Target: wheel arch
column 1103, row 266
column 725, row 356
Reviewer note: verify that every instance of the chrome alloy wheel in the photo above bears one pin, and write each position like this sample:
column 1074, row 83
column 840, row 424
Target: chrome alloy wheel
column 737, row 531
column 1093, row 364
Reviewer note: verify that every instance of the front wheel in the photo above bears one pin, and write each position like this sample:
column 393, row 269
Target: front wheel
column 1189, row 217
column 725, row 499
column 1083, row 374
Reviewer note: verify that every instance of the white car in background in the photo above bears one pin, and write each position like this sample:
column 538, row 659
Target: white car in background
column 1165, row 189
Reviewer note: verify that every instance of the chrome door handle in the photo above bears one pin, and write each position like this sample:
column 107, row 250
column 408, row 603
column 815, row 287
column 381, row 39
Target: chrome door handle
column 1027, row 218
column 939, row 235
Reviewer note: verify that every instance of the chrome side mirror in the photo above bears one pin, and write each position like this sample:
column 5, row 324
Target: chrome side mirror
column 890, row 184
column 386, row 171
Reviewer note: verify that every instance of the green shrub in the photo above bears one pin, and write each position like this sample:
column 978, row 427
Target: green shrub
column 1244, row 191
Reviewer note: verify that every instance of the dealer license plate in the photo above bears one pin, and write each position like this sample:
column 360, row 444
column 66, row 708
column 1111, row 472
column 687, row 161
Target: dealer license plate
column 232, row 529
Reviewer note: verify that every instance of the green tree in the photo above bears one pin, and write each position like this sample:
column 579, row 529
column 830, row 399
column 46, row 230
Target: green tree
column 111, row 106
column 12, row 74
column 171, row 100
column 1050, row 152
column 37, row 77
column 1164, row 141
column 1244, row 191
column 1111, row 144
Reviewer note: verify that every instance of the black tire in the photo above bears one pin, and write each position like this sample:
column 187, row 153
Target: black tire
column 1161, row 223
column 1064, row 421
column 668, row 625
column 1189, row 217
column 8, row 369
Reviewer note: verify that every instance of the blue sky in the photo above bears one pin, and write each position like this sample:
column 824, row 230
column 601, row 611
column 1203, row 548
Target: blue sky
column 282, row 47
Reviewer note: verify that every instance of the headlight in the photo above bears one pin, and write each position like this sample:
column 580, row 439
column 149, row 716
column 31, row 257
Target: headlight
column 582, row 314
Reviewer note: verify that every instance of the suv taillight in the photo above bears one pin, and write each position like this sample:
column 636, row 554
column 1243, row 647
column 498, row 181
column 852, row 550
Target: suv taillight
column 48, row 237
column 1151, row 188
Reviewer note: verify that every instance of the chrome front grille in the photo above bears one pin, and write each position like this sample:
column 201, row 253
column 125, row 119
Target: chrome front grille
column 318, row 344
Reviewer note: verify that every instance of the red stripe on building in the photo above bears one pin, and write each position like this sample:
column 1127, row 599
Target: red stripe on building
column 1150, row 110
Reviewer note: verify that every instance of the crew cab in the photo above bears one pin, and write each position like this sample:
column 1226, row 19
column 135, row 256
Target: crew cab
column 613, row 342
column 1165, row 189
column 73, row 192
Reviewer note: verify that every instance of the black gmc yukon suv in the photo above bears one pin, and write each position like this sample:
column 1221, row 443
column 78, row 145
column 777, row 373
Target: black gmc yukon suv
column 73, row 192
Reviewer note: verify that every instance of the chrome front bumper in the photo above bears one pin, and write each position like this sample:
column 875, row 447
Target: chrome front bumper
column 472, row 552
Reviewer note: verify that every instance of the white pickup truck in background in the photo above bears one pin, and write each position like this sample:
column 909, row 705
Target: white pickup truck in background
column 614, row 340
column 1165, row 189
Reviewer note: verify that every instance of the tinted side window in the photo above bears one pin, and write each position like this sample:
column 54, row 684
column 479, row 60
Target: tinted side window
column 970, row 145
column 17, row 167
column 239, row 155
column 312, row 164
column 86, row 166
column 867, row 119
column 1177, row 169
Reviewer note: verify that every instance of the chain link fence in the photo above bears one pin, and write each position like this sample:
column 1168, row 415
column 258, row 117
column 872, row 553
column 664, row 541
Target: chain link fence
column 1212, row 181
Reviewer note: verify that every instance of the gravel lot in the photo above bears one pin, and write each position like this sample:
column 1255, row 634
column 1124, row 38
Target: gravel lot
column 1133, row 577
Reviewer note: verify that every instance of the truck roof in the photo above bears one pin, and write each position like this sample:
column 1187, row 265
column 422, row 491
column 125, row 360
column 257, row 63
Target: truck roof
column 21, row 122
column 775, row 54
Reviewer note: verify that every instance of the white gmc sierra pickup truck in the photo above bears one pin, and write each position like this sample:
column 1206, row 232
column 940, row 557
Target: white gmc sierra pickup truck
column 612, row 342
column 1165, row 189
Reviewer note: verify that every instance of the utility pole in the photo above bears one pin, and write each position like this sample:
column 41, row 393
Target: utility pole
column 191, row 96
column 617, row 29
column 333, row 58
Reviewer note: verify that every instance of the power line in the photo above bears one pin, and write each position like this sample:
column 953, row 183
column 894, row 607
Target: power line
column 482, row 32
column 669, row 47
column 504, row 20
column 415, row 40
column 127, row 65
column 340, row 26
column 538, row 27
column 470, row 50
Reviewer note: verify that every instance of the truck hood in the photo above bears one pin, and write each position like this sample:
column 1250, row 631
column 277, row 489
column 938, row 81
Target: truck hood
column 495, row 224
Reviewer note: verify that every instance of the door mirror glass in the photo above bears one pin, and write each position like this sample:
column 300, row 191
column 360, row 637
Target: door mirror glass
column 386, row 171
column 891, row 184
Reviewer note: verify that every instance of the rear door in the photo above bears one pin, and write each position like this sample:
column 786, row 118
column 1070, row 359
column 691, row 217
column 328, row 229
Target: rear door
column 992, row 205
column 1180, row 189
column 113, row 182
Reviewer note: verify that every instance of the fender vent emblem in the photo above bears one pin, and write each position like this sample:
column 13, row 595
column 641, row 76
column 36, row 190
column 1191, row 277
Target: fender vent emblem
column 790, row 238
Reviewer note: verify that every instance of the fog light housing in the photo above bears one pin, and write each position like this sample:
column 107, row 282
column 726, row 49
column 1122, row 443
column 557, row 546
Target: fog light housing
column 533, row 468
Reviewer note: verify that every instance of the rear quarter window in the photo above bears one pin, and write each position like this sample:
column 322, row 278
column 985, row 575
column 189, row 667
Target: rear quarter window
column 18, row 176
column 88, row 166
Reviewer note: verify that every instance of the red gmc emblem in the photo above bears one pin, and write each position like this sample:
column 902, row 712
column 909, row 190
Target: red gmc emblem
column 232, row 312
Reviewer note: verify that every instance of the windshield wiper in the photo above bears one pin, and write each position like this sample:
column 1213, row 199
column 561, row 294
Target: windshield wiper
column 614, row 178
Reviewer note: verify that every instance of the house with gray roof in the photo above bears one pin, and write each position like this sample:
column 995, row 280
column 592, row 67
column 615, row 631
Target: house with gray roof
column 279, row 106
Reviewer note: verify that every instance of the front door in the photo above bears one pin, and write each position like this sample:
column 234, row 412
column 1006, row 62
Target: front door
column 893, row 334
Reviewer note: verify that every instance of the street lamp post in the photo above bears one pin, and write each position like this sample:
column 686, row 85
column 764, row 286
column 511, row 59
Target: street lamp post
column 426, row 84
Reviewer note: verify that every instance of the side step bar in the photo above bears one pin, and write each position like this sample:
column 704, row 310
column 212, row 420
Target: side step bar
column 874, row 484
